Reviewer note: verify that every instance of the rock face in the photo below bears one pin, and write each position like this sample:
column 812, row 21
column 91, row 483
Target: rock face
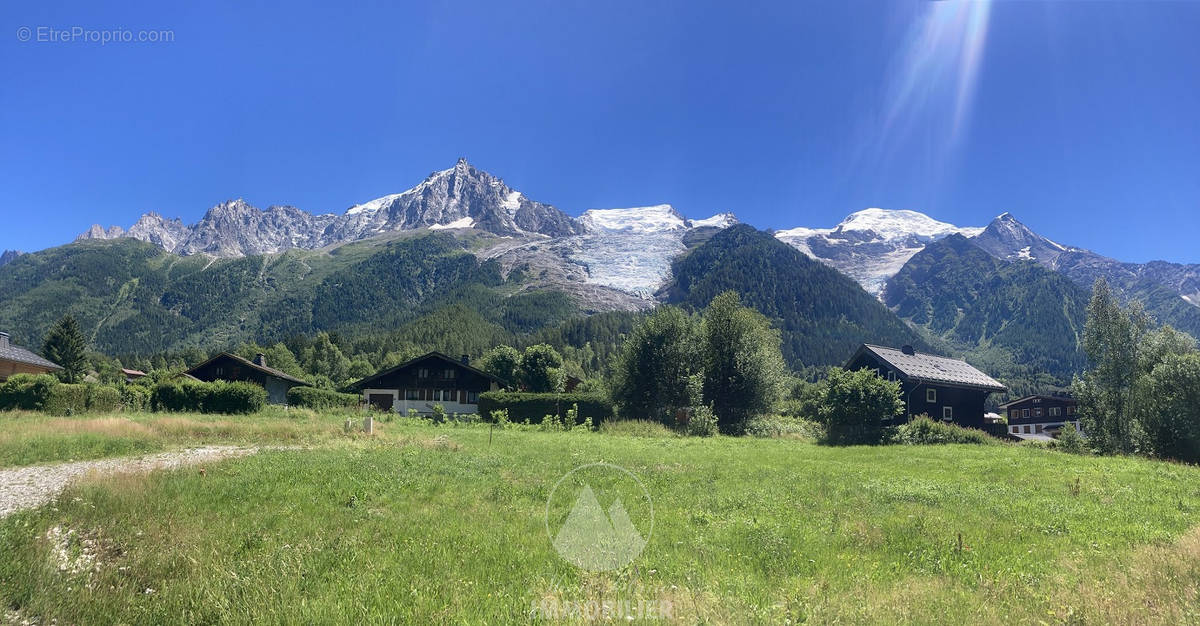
column 459, row 197
column 8, row 256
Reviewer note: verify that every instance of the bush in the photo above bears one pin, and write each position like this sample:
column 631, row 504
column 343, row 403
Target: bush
column 702, row 422
column 783, row 426
column 313, row 398
column 857, row 405
column 66, row 399
column 1069, row 440
column 924, row 431
column 26, row 391
column 103, row 399
column 216, row 397
column 532, row 407
column 134, row 397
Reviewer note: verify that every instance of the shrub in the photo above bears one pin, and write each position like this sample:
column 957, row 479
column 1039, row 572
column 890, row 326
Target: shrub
column 702, row 422
column 313, row 398
column 439, row 414
column 26, row 391
column 533, row 407
column 783, row 426
column 1069, row 440
column 66, row 399
column 103, row 399
column 216, row 397
column 233, row 398
column 924, row 431
column 134, row 397
column 857, row 405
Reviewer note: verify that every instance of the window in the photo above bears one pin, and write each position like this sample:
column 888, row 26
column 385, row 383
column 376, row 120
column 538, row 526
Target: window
column 1055, row 411
column 1037, row 400
column 423, row 373
column 472, row 397
column 947, row 412
column 1038, row 429
column 1070, row 410
column 891, row 376
column 220, row 371
column 1016, row 429
column 448, row 373
column 412, row 394
column 931, row 395
column 1014, row 414
column 1025, row 413
column 1027, row 429
column 1037, row 412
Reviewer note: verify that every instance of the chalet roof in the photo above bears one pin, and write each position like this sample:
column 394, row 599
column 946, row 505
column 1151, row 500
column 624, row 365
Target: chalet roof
column 930, row 368
column 269, row 371
column 9, row 352
column 1061, row 398
column 437, row 355
column 129, row 372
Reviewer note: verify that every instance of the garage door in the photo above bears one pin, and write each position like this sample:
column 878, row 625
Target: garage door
column 382, row 401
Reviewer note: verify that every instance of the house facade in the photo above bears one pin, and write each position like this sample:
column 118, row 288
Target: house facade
column 428, row 380
column 231, row 367
column 1040, row 414
column 17, row 360
column 942, row 388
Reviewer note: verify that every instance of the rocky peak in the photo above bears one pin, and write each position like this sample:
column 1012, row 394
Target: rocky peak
column 1007, row 238
column 8, row 256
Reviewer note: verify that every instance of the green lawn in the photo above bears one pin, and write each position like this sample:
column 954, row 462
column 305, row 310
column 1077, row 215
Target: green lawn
column 428, row 525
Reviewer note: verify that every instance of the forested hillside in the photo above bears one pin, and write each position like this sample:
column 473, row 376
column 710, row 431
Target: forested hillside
column 823, row 315
column 1017, row 318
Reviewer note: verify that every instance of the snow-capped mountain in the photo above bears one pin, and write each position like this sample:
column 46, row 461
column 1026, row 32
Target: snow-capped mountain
column 872, row 245
column 459, row 197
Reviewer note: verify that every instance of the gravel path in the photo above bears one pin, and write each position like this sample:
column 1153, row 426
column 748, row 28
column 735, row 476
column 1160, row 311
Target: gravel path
column 30, row 487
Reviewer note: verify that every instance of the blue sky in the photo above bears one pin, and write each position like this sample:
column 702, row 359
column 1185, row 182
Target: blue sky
column 1078, row 117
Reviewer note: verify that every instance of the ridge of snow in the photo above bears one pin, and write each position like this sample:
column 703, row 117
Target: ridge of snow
column 720, row 220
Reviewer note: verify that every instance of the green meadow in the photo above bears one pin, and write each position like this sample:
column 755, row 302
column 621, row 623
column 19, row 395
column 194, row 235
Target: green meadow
column 444, row 524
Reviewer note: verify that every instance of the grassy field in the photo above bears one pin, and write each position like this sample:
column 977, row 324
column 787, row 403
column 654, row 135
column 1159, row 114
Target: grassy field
column 425, row 524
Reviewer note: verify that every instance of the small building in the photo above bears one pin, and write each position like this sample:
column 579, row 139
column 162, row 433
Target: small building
column 17, row 360
column 232, row 368
column 940, row 387
column 1040, row 416
column 428, row 380
column 132, row 375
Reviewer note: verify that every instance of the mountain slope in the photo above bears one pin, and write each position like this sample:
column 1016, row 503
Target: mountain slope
column 823, row 315
column 1017, row 316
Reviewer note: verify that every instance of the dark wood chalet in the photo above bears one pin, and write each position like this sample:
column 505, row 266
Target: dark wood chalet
column 428, row 380
column 937, row 386
column 18, row 360
column 232, row 368
column 1040, row 414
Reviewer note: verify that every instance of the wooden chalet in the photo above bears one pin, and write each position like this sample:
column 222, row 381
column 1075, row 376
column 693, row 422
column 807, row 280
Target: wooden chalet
column 940, row 387
column 231, row 367
column 428, row 380
column 18, row 360
column 1040, row 416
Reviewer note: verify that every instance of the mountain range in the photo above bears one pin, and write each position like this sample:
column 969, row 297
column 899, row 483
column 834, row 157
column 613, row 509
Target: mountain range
column 464, row 244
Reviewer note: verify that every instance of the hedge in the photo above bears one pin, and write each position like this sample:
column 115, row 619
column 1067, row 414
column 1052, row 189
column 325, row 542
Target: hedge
column 26, row 391
column 533, row 407
column 313, row 398
column 215, row 397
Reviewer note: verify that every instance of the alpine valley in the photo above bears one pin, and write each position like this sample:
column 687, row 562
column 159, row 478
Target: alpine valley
column 462, row 262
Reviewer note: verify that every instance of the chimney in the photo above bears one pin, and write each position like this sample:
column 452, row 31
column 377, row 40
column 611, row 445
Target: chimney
column 466, row 359
column 3, row 340
column 260, row 359
column 907, row 349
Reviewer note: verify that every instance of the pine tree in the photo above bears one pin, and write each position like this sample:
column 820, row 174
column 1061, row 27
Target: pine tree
column 65, row 345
